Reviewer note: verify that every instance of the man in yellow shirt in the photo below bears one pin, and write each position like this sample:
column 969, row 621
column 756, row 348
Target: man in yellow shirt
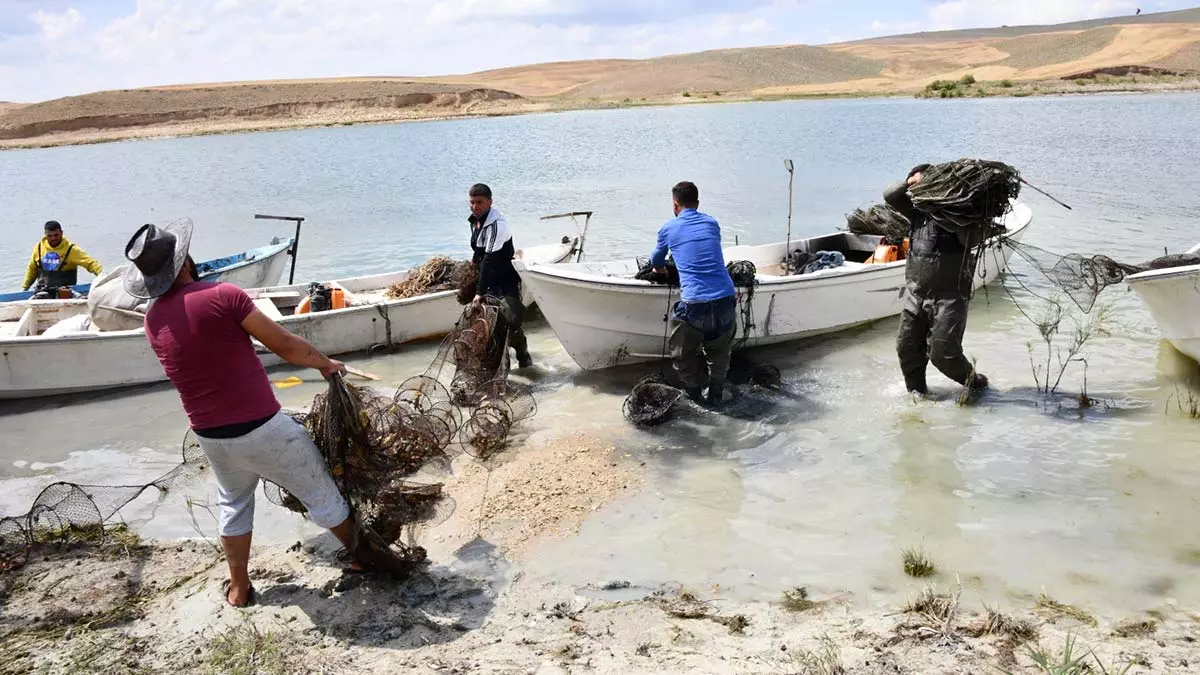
column 56, row 261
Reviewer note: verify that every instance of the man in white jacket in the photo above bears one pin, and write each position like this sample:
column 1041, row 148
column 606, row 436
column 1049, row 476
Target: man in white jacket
column 492, row 245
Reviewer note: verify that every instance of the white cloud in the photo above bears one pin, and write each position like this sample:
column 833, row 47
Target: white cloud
column 58, row 26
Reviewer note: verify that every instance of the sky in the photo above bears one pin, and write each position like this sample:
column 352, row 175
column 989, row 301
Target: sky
column 53, row 48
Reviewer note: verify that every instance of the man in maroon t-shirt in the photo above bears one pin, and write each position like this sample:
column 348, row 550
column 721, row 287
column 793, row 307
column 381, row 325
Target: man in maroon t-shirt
column 201, row 333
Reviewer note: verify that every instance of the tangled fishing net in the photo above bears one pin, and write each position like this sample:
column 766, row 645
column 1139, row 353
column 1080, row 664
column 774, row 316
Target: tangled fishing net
column 881, row 220
column 373, row 445
column 64, row 512
column 1083, row 278
column 968, row 193
column 438, row 274
column 478, row 350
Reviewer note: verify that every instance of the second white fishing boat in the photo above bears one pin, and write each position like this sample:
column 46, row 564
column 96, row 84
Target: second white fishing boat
column 1173, row 297
column 604, row 317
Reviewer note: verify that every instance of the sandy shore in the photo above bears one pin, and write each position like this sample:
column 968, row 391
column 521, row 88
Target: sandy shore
column 348, row 115
column 125, row 606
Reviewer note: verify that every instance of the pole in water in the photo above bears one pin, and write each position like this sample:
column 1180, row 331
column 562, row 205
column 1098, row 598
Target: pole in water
column 787, row 251
column 1052, row 197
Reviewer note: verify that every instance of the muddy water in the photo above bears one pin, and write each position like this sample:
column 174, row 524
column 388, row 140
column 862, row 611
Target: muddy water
column 825, row 483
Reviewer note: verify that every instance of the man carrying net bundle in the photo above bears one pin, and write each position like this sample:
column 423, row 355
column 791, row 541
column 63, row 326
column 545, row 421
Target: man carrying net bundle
column 492, row 245
column 704, row 320
column 938, row 282
column 201, row 333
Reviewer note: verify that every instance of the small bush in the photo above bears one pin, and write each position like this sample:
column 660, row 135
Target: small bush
column 796, row 600
column 918, row 564
column 1081, row 82
column 1007, row 84
column 687, row 94
column 716, row 93
column 967, row 79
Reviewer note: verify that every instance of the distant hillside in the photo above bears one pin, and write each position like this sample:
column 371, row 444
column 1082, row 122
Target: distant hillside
column 718, row 70
column 896, row 64
column 240, row 101
column 1017, row 57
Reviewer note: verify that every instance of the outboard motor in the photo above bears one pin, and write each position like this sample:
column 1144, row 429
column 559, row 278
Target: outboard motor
column 321, row 297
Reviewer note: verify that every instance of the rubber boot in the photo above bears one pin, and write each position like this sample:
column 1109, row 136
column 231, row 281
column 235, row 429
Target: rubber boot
column 695, row 393
column 915, row 384
column 524, row 360
column 716, row 394
column 980, row 381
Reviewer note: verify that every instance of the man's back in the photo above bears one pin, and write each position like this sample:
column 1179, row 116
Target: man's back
column 196, row 331
column 694, row 240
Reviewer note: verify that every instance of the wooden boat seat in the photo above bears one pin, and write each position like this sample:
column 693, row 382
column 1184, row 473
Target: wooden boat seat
column 266, row 306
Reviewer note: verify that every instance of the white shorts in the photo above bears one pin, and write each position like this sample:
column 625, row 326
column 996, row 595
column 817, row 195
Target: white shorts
column 282, row 452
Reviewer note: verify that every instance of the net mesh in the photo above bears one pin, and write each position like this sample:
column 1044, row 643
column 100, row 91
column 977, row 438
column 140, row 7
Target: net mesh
column 651, row 402
column 967, row 193
column 64, row 511
column 881, row 220
column 1082, row 278
column 376, row 445
column 438, row 274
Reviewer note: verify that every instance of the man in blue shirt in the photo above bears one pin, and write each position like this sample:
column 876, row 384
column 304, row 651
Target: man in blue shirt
column 704, row 321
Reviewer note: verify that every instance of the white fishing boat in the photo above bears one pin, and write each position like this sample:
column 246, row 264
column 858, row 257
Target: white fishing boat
column 35, row 364
column 254, row 268
column 604, row 317
column 1173, row 297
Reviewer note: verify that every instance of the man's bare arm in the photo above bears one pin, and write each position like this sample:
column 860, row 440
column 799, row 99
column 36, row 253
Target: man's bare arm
column 289, row 346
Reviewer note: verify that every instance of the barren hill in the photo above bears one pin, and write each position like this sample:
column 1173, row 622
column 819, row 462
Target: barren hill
column 235, row 101
column 903, row 64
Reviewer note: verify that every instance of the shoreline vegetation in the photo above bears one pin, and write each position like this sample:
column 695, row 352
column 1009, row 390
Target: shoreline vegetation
column 351, row 115
column 1145, row 53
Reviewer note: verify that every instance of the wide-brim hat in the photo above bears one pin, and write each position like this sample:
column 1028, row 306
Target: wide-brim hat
column 157, row 254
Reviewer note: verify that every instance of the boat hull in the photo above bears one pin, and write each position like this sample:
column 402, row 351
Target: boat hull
column 1172, row 297
column 606, row 321
column 255, row 268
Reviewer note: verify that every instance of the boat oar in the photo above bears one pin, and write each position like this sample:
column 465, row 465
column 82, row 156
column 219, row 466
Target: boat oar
column 1052, row 197
column 292, row 381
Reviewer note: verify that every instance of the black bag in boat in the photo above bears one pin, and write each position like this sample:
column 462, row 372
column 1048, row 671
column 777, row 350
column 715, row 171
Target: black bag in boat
column 647, row 273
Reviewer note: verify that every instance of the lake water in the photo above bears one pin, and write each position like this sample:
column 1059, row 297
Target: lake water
column 823, row 487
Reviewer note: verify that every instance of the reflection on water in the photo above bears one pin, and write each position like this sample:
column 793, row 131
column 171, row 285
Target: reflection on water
column 821, row 486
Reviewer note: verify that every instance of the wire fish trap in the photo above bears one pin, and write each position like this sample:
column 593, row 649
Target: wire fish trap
column 404, row 507
column 651, row 402
column 371, row 443
column 65, row 512
column 502, row 404
column 967, row 193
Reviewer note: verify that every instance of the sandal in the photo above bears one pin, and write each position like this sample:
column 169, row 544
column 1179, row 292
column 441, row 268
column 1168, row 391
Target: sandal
column 250, row 596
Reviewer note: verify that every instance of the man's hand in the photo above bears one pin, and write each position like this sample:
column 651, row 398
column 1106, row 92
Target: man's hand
column 916, row 178
column 329, row 369
column 477, row 301
column 659, row 270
